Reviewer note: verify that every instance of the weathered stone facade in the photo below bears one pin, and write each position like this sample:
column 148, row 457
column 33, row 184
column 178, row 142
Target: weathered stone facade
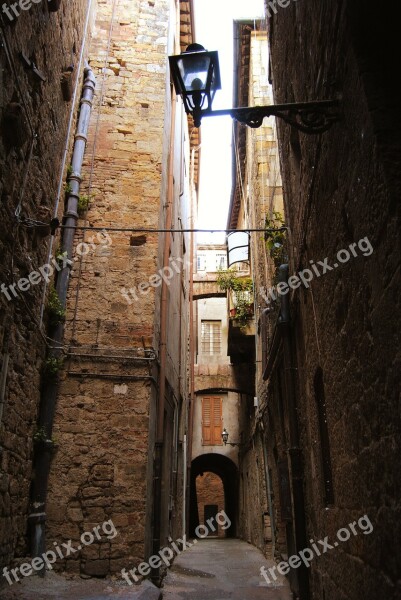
column 125, row 330
column 336, row 361
column 34, row 124
column 260, row 519
column 107, row 412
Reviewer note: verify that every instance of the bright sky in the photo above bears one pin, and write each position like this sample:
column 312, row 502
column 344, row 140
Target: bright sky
column 214, row 30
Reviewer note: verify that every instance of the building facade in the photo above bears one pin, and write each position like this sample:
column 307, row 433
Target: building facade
column 326, row 345
column 214, row 467
column 108, row 411
column 257, row 204
column 40, row 67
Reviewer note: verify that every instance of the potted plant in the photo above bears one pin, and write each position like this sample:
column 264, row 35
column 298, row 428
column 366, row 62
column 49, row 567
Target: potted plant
column 242, row 293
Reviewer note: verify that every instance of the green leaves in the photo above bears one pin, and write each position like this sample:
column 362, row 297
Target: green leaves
column 55, row 309
column 228, row 280
column 275, row 235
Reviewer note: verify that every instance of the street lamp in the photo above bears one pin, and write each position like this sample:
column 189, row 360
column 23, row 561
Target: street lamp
column 224, row 437
column 196, row 77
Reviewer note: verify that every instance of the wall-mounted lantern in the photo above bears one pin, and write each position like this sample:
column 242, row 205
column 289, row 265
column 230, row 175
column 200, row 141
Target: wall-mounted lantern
column 224, row 437
column 196, row 77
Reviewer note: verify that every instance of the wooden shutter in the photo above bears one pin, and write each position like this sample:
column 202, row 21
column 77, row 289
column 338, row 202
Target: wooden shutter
column 216, row 431
column 211, row 421
column 206, row 421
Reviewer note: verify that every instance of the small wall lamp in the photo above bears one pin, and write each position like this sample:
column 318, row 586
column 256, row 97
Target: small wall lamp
column 224, row 437
column 196, row 77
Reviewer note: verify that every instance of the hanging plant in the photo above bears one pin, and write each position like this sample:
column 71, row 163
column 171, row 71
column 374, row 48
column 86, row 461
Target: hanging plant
column 244, row 311
column 60, row 255
column 228, row 280
column 52, row 366
column 275, row 236
column 241, row 288
column 83, row 203
column 40, row 439
column 55, row 309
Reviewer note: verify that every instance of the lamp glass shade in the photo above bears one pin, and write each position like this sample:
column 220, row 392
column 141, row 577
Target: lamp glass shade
column 194, row 71
column 196, row 75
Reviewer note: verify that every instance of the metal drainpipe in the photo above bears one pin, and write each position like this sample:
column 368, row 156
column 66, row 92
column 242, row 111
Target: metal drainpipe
column 294, row 451
column 42, row 456
column 67, row 145
column 158, row 466
column 75, row 179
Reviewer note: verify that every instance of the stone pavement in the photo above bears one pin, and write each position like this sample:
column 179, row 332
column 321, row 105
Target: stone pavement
column 218, row 569
column 57, row 587
column 212, row 569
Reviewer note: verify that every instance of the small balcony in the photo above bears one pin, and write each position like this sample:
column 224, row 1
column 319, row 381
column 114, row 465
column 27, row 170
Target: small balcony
column 241, row 328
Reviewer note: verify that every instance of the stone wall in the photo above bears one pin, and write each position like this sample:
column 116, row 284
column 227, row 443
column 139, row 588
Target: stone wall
column 260, row 520
column 339, row 188
column 106, row 412
column 31, row 100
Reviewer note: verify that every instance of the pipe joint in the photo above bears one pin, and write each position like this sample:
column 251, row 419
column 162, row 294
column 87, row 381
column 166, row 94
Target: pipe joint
column 81, row 137
column 37, row 518
column 72, row 214
column 75, row 176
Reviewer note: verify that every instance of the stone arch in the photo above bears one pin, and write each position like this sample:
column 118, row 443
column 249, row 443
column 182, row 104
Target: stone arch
column 225, row 468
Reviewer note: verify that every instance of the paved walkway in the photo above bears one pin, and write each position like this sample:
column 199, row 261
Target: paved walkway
column 58, row 587
column 212, row 569
column 222, row 569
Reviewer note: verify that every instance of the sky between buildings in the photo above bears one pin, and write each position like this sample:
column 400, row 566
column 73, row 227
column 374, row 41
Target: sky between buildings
column 214, row 30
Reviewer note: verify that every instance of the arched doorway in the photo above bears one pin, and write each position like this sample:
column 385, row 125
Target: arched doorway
column 211, row 501
column 226, row 470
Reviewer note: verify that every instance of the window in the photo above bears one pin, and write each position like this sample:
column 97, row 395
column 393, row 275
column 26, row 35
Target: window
column 211, row 421
column 221, row 261
column 211, row 337
column 201, row 262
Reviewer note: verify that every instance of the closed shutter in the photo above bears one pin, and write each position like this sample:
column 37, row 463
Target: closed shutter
column 211, row 421
column 206, row 421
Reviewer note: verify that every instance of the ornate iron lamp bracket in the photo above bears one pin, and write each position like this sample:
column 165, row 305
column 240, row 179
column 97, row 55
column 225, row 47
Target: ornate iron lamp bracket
column 308, row 117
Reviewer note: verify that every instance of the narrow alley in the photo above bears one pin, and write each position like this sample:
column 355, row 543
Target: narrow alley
column 200, row 300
